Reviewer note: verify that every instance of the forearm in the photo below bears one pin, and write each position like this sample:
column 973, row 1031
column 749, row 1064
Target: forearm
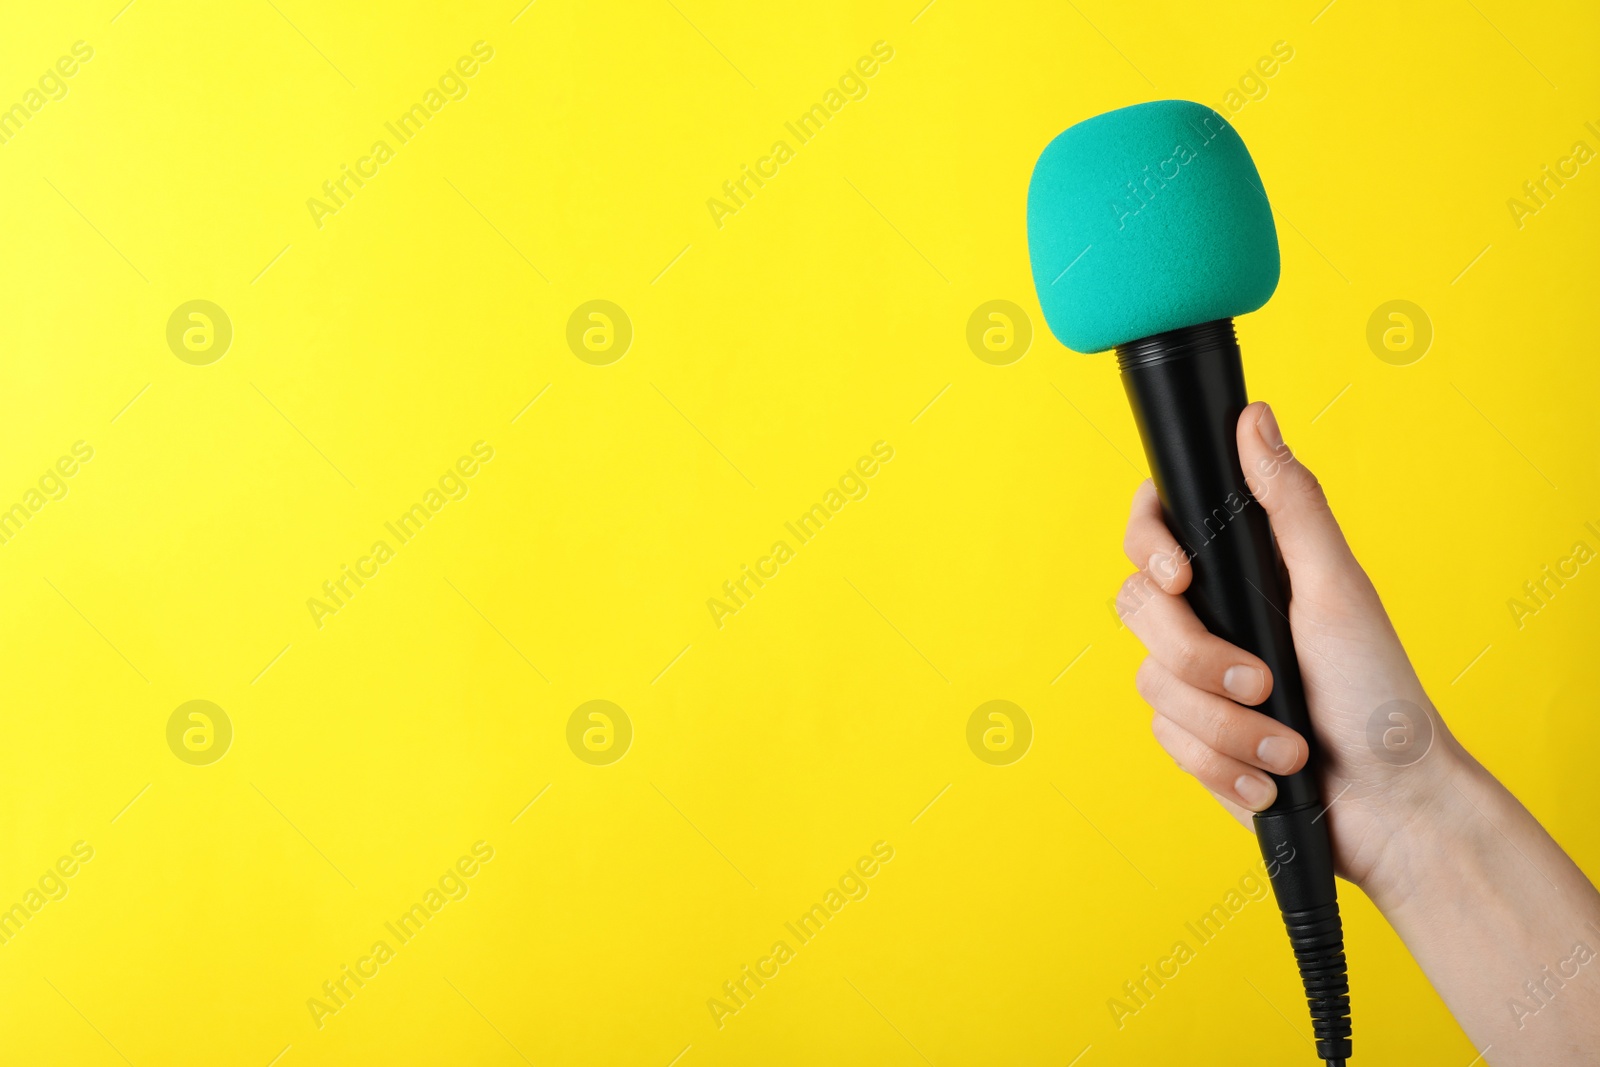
column 1504, row 924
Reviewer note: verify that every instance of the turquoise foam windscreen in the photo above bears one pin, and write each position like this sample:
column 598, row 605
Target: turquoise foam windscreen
column 1147, row 219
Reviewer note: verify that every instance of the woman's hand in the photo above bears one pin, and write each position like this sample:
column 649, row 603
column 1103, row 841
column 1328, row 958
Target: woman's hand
column 1501, row 920
column 1382, row 745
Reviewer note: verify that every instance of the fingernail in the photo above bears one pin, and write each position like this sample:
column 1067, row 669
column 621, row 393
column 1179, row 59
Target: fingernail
column 1244, row 683
column 1278, row 753
column 1256, row 792
column 1267, row 427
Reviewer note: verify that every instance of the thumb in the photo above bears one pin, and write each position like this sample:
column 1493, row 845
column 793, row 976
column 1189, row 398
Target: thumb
column 1309, row 537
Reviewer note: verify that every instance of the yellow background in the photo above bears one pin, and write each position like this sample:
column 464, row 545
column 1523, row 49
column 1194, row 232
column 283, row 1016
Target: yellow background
column 768, row 355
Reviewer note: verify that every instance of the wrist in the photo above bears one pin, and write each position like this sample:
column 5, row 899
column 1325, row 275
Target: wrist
column 1420, row 824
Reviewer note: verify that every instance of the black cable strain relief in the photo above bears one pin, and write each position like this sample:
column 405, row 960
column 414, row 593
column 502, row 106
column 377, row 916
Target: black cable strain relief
column 1317, row 937
column 1299, row 857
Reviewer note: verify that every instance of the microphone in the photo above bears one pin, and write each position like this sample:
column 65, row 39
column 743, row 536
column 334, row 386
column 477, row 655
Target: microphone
column 1148, row 232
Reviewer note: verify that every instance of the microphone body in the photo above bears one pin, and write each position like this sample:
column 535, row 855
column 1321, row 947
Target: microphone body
column 1186, row 388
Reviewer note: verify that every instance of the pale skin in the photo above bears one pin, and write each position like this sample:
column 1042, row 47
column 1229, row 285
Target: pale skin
column 1482, row 896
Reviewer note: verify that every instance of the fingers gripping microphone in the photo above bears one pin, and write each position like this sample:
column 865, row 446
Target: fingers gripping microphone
column 1148, row 232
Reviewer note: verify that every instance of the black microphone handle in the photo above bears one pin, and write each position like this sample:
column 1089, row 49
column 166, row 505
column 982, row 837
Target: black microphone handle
column 1187, row 390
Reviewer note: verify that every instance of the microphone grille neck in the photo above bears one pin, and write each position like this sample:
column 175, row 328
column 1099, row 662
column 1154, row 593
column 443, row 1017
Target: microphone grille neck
column 1214, row 336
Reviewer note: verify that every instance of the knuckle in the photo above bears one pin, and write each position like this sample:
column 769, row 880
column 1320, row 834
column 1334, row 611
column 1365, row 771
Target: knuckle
column 1168, row 738
column 1147, row 680
column 1192, row 757
column 1187, row 658
column 1316, row 497
column 1224, row 730
column 1133, row 594
column 1208, row 766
